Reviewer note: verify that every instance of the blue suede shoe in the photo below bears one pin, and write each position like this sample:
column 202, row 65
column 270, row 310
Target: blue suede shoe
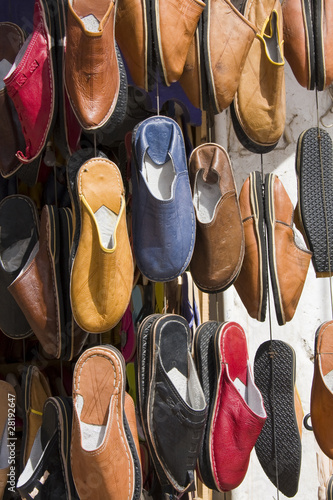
column 163, row 216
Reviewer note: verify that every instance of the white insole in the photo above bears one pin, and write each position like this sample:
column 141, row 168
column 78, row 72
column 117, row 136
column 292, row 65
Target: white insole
column 13, row 255
column 91, row 435
column 205, row 199
column 159, row 178
column 5, row 67
column 106, row 221
column 20, row 55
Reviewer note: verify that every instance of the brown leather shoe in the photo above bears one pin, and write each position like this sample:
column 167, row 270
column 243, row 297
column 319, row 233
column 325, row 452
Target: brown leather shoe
column 259, row 107
column 219, row 246
column 298, row 36
column 251, row 284
column 289, row 259
column 12, row 140
column 173, row 27
column 321, row 405
column 104, row 457
column 224, row 61
column 95, row 76
column 190, row 79
column 323, row 21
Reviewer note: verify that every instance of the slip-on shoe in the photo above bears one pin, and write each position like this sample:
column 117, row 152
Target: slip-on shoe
column 36, row 390
column 236, row 413
column 12, row 140
column 252, row 281
column 95, row 75
column 219, row 245
column 321, row 406
column 47, row 474
column 163, row 219
column 278, row 447
column 224, row 61
column 30, row 83
column 289, row 259
column 258, row 110
column 19, row 235
column 102, row 265
column 104, row 458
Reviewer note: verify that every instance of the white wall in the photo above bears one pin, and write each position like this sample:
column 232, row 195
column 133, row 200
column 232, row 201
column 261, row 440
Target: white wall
column 314, row 307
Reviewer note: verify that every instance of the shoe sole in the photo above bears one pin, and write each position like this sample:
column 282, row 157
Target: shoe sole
column 208, row 79
column 314, row 187
column 309, row 26
column 319, row 49
column 278, row 446
column 204, row 358
column 270, row 224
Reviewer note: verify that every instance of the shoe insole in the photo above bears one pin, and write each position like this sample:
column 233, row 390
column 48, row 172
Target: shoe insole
column 205, row 198
column 13, row 255
column 91, row 9
column 106, row 220
column 159, row 178
column 20, row 55
column 272, row 40
column 5, row 67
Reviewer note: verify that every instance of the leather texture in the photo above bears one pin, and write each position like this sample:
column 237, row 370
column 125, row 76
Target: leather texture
column 321, row 403
column 299, row 47
column 163, row 229
column 219, row 245
column 36, row 390
column 225, row 60
column 18, row 222
column 94, row 74
column 101, row 278
column 289, row 263
column 190, row 79
column 111, row 470
column 31, row 85
column 235, row 424
column 131, row 37
column 174, row 24
column 251, row 284
column 260, row 101
column 12, row 140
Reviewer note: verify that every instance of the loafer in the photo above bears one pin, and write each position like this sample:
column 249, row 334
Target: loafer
column 224, row 61
column 314, row 160
column 12, row 140
column 321, row 403
column 19, row 235
column 299, row 44
column 252, row 282
column 105, row 462
column 45, row 281
column 174, row 408
column 278, row 447
column 258, row 110
column 36, row 390
column 236, row 413
column 289, row 259
column 48, row 469
column 219, row 245
column 30, row 83
column 163, row 220
column 95, row 76
column 102, row 269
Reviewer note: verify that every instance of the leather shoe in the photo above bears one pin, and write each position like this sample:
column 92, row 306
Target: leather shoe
column 219, row 245
column 163, row 219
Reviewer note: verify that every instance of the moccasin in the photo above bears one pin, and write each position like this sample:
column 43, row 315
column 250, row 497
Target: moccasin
column 278, row 447
column 163, row 219
column 224, row 61
column 19, row 235
column 47, row 473
column 36, row 390
column 102, row 266
column 105, row 462
column 12, row 140
column 30, row 83
column 289, row 259
column 219, row 245
column 258, row 110
column 322, row 389
column 236, row 412
column 95, row 76
column 251, row 284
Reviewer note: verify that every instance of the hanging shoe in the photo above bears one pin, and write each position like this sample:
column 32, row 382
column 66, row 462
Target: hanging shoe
column 322, row 22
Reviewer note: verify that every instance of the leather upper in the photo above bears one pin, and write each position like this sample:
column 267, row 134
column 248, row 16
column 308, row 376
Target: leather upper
column 190, row 80
column 163, row 230
column 31, row 87
column 219, row 246
column 91, row 68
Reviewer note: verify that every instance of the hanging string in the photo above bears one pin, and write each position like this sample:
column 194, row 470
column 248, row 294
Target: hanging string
column 217, row 308
column 95, row 145
column 164, row 298
column 157, row 98
column 324, row 202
